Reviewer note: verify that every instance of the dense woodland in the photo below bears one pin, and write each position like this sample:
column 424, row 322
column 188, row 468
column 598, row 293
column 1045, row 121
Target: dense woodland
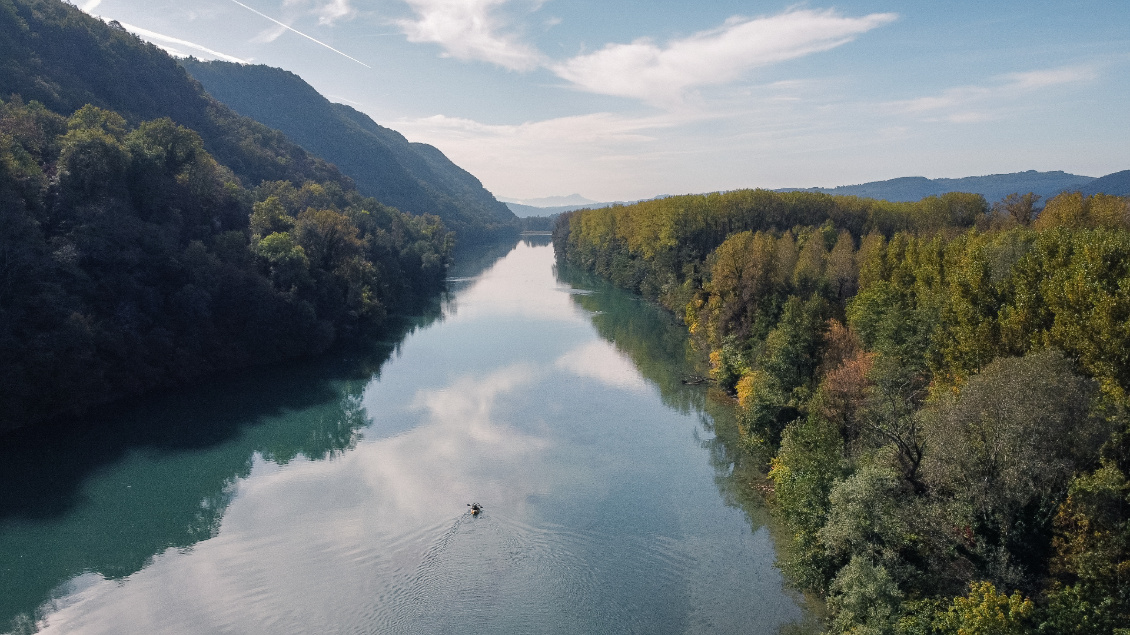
column 149, row 235
column 130, row 258
column 938, row 389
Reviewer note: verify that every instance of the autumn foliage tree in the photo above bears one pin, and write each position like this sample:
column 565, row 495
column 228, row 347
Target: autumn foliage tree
column 941, row 387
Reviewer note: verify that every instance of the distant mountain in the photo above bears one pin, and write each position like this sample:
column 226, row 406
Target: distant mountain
column 526, row 211
column 993, row 187
column 1117, row 184
column 552, row 201
column 53, row 53
column 413, row 177
column 554, row 205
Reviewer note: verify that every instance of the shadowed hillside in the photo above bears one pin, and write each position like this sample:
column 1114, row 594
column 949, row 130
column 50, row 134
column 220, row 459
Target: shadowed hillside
column 993, row 187
column 53, row 53
column 150, row 236
column 1117, row 184
column 413, row 177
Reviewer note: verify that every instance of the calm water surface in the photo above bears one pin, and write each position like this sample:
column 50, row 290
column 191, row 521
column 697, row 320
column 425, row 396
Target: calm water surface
column 332, row 497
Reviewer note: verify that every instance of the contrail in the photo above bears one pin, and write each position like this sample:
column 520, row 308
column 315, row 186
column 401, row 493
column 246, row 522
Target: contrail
column 152, row 35
column 301, row 33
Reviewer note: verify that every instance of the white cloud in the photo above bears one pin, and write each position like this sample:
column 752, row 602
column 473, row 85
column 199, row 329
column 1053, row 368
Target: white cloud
column 91, row 5
column 610, row 156
column 328, row 11
column 978, row 103
column 606, row 128
column 170, row 44
column 1034, row 80
column 475, row 30
column 663, row 74
column 469, row 30
column 591, row 152
column 269, row 35
column 296, row 31
column 492, row 295
column 600, row 361
column 801, row 132
column 335, row 10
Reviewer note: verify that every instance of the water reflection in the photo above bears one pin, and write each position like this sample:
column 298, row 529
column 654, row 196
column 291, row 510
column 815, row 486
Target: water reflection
column 605, row 364
column 174, row 459
column 658, row 347
column 347, row 512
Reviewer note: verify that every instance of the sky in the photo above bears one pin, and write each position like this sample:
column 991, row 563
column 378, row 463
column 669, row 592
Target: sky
column 626, row 99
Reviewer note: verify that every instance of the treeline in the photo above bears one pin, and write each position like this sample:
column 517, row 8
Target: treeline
column 130, row 258
column 537, row 223
column 658, row 247
column 940, row 388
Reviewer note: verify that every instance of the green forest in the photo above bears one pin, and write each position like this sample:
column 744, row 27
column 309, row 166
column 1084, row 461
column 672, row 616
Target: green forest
column 53, row 53
column 150, row 236
column 133, row 259
column 937, row 391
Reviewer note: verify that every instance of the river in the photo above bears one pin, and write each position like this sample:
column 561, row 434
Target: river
column 331, row 496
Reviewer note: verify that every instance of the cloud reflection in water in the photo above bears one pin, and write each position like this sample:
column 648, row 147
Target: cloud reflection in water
column 601, row 510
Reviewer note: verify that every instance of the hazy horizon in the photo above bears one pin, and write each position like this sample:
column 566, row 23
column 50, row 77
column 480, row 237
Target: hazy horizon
column 540, row 98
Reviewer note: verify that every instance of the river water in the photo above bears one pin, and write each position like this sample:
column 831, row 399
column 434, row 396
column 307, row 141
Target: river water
column 331, row 497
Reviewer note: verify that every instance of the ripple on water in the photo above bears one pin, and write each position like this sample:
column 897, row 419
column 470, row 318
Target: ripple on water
column 474, row 567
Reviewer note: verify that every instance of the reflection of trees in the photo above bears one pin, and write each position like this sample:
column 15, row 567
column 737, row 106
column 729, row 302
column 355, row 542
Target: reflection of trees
column 107, row 493
column 537, row 240
column 645, row 333
column 475, row 259
column 659, row 348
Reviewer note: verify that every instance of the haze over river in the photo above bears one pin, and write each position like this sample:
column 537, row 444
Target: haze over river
column 331, row 497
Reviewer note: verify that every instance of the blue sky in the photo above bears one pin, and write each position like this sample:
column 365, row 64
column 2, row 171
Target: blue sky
column 625, row 99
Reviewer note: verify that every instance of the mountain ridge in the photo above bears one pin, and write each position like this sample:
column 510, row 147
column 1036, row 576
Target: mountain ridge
column 1117, row 184
column 414, row 177
column 551, row 201
column 525, row 211
column 992, row 186
column 54, row 53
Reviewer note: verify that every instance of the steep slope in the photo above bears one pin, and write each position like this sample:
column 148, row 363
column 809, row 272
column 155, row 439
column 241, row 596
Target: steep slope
column 54, row 53
column 1116, row 184
column 993, row 187
column 414, row 177
column 132, row 258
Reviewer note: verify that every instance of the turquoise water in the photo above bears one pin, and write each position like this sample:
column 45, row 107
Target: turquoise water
column 332, row 496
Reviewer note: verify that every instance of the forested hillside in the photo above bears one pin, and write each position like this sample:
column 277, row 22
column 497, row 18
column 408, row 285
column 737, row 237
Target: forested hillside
column 413, row 177
column 132, row 259
column 150, row 236
column 1116, row 183
column 939, row 390
column 53, row 53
